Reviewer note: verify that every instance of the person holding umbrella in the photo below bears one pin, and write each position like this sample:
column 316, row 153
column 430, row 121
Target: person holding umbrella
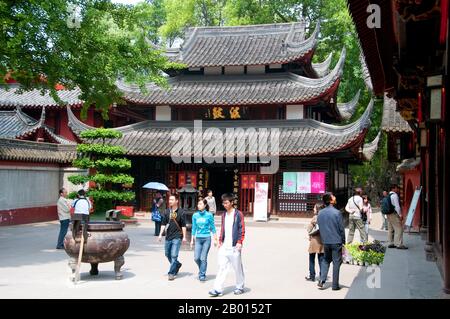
column 158, row 206
column 157, row 210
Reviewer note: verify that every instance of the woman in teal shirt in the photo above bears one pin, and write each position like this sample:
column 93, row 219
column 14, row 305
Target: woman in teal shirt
column 202, row 227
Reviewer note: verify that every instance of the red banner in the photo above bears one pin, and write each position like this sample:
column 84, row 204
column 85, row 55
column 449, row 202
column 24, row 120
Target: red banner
column 181, row 179
column 252, row 181
column 244, row 181
column 193, row 177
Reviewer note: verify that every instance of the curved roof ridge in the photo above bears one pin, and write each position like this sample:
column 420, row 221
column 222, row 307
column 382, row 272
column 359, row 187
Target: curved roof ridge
column 336, row 72
column 75, row 124
column 369, row 149
column 362, row 123
column 347, row 109
column 323, row 68
column 25, row 118
column 310, row 42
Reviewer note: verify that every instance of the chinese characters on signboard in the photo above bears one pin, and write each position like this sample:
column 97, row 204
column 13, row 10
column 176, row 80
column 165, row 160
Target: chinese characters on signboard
column 224, row 113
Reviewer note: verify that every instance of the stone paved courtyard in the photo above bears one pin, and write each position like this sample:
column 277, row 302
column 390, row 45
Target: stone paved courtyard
column 275, row 261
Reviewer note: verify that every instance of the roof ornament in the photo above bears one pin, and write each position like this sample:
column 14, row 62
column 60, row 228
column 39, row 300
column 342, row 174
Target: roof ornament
column 283, row 47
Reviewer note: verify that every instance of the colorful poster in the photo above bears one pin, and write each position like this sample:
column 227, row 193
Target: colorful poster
column 289, row 182
column 304, row 182
column 260, row 203
column 318, row 182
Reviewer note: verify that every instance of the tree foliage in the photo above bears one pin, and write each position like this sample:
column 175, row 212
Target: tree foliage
column 46, row 42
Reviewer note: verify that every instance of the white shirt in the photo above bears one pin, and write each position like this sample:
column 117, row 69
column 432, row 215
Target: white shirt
column 354, row 205
column 82, row 206
column 395, row 202
column 211, row 203
column 229, row 219
column 63, row 206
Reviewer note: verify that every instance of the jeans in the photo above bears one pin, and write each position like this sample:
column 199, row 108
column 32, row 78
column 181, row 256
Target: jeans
column 172, row 248
column 62, row 232
column 312, row 264
column 202, row 245
column 157, row 228
column 333, row 253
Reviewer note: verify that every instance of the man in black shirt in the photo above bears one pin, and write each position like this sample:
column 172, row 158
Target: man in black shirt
column 174, row 223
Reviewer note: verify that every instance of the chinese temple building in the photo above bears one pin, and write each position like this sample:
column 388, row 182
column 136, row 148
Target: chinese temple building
column 253, row 79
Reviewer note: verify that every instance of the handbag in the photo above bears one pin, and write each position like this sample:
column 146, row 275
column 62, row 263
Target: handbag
column 361, row 211
column 314, row 231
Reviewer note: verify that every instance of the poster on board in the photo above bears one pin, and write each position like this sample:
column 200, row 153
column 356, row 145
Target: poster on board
column 412, row 207
column 260, row 203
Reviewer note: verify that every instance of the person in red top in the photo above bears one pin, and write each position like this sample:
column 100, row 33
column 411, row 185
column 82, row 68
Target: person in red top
column 232, row 234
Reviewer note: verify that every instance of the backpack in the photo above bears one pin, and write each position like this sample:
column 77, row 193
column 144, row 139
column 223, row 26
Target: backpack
column 156, row 215
column 386, row 205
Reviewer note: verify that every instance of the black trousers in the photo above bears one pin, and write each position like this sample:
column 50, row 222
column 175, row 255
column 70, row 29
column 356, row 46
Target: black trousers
column 333, row 253
column 157, row 228
column 80, row 220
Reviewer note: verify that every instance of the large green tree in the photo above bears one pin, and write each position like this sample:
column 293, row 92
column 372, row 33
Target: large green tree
column 87, row 44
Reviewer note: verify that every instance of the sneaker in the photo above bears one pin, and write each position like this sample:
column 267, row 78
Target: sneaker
column 238, row 291
column 215, row 293
column 391, row 246
column 308, row 278
column 202, row 279
column 320, row 284
column 402, row 247
column 171, row 277
column 336, row 288
column 178, row 268
column 60, row 247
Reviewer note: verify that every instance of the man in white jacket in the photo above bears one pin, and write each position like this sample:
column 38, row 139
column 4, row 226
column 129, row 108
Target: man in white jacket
column 354, row 207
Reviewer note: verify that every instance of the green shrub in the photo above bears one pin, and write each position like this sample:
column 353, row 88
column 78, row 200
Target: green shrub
column 109, row 165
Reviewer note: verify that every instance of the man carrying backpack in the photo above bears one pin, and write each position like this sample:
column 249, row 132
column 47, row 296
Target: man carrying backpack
column 390, row 206
column 81, row 207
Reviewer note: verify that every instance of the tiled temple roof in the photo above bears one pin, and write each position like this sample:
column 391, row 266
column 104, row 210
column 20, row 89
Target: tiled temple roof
column 275, row 88
column 29, row 151
column 34, row 99
column 347, row 109
column 392, row 120
column 369, row 149
column 245, row 45
column 17, row 124
column 297, row 137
